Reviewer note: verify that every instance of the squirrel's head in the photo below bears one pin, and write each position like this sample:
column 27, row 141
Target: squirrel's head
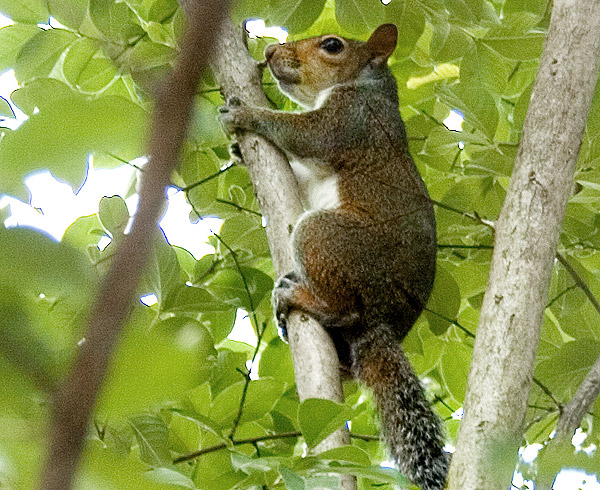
column 307, row 68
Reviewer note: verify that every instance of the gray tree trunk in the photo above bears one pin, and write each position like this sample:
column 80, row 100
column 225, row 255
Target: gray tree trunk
column 527, row 234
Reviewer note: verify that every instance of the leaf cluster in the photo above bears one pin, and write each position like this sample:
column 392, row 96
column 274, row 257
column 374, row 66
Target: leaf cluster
column 178, row 383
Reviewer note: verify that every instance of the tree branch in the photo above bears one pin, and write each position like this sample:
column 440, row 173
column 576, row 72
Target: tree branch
column 573, row 412
column 568, row 421
column 315, row 359
column 73, row 403
column 526, row 239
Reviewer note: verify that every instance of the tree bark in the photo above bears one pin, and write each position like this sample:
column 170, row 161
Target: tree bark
column 526, row 240
column 316, row 364
column 73, row 404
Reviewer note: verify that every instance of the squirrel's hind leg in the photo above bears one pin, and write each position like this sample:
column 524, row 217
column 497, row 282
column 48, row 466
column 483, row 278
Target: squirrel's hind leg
column 292, row 292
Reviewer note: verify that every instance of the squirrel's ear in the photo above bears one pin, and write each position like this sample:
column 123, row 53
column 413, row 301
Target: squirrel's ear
column 382, row 43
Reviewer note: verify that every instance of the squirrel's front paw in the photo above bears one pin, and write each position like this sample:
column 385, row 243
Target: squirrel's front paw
column 232, row 114
column 282, row 297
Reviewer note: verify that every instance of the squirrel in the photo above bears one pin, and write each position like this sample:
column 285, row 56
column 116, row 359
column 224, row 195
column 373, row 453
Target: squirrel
column 365, row 249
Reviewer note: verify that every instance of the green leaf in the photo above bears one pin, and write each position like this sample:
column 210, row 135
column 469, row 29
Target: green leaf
column 295, row 15
column 276, row 361
column 146, row 55
column 486, row 67
column 192, row 299
column 347, row 454
column 69, row 13
column 153, row 365
column 153, row 10
column 113, row 215
column 454, row 368
column 163, row 276
column 319, row 418
column 245, row 287
column 64, row 132
column 37, row 57
column 564, row 371
column 187, row 263
column 26, row 11
column 522, row 106
column 358, row 17
column 12, row 39
column 220, row 323
column 101, row 467
column 318, row 482
column 449, row 43
column 442, row 141
column 410, row 20
column 84, row 233
column 444, row 301
column 515, row 6
column 201, row 166
column 244, row 232
column 167, row 476
column 261, row 397
column 32, row 262
column 5, row 109
column 40, row 94
column 115, row 20
column 477, row 105
column 152, row 436
column 515, row 45
column 375, row 473
column 87, row 68
column 291, row 479
column 21, row 345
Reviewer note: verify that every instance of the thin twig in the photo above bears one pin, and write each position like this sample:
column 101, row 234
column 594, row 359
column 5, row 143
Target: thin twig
column 247, row 374
column 443, row 402
column 471, row 215
column 579, row 281
column 238, row 207
column 125, row 162
column 452, row 322
column 473, row 247
column 260, row 333
column 254, row 440
column 547, row 391
column 188, row 188
column 560, row 295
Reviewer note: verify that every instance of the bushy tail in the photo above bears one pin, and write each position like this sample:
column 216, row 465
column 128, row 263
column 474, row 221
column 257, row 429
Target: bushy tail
column 411, row 429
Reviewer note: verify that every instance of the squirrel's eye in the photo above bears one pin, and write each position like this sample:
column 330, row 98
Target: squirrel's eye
column 332, row 45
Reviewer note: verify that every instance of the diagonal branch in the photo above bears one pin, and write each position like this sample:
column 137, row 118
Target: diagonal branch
column 568, row 421
column 73, row 403
column 572, row 413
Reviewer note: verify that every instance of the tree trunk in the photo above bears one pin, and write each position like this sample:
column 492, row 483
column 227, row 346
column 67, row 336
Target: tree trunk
column 316, row 364
column 527, row 234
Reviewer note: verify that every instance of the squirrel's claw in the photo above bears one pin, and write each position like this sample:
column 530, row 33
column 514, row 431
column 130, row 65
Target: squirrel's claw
column 282, row 301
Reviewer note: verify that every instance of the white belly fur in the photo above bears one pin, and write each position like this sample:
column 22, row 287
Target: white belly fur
column 318, row 184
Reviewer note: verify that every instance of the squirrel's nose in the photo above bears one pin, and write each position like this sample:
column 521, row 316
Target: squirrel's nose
column 270, row 51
